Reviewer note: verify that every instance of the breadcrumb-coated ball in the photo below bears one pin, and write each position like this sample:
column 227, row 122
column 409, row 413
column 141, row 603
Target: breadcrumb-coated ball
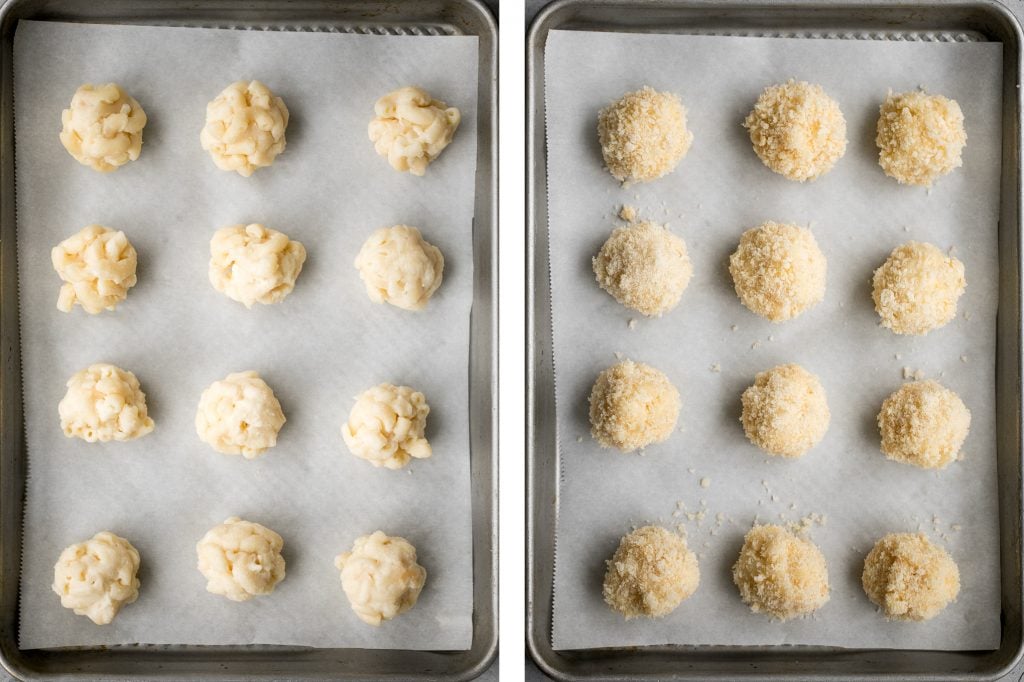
column 781, row 573
column 650, row 574
column 917, row 288
column 797, row 130
column 778, row 270
column 785, row 412
column 643, row 135
column 632, row 405
column 920, row 137
column 910, row 577
column 645, row 267
column 924, row 424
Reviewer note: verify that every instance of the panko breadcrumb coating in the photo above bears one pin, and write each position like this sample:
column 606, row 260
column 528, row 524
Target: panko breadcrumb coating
column 632, row 405
column 650, row 574
column 778, row 270
column 785, row 412
column 797, row 130
column 780, row 573
column 917, row 288
column 909, row 577
column 645, row 267
column 643, row 135
column 920, row 137
column 924, row 424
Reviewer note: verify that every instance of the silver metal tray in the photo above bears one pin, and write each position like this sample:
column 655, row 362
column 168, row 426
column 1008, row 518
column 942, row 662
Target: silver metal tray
column 864, row 20
column 398, row 17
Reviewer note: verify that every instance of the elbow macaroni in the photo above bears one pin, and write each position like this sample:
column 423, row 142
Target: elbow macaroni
column 102, row 128
column 386, row 425
column 104, row 403
column 97, row 265
column 97, row 577
column 411, row 129
column 245, row 126
column 254, row 264
column 380, row 577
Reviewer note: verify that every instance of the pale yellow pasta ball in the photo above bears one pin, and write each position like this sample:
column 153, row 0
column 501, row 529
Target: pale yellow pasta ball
column 920, row 137
column 909, row 577
column 643, row 135
column 785, row 412
column 386, row 426
column 103, row 127
column 778, row 270
column 411, row 128
column 650, row 574
column 797, row 130
column 381, row 577
column 104, row 403
column 97, row 577
column 97, row 265
column 254, row 264
column 398, row 266
column 917, row 288
column 924, row 424
column 240, row 559
column 632, row 405
column 780, row 573
column 645, row 267
column 245, row 127
column 239, row 415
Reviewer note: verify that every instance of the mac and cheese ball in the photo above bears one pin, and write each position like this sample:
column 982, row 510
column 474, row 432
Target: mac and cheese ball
column 920, row 137
column 924, row 424
column 380, row 577
column 104, row 403
column 644, row 267
column 386, row 426
column 797, row 130
column 917, row 288
column 411, row 129
column 780, row 573
column 245, row 126
column 240, row 559
column 97, row 265
column 650, row 574
column 632, row 405
column 239, row 415
column 254, row 264
column 97, row 577
column 399, row 267
column 103, row 127
column 910, row 577
column 643, row 135
column 785, row 412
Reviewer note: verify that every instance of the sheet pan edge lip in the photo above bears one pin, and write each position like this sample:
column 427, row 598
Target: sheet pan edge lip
column 540, row 651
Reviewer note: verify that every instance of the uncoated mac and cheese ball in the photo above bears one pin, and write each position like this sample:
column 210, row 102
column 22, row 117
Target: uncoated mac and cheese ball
column 399, row 267
column 241, row 559
column 386, row 426
column 103, row 126
column 104, row 403
column 97, row 577
column 254, row 264
column 97, row 265
column 245, row 127
column 239, row 415
column 381, row 577
column 411, row 129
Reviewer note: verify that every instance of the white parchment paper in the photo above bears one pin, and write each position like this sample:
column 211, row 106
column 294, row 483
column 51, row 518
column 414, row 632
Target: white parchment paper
column 318, row 349
column 858, row 215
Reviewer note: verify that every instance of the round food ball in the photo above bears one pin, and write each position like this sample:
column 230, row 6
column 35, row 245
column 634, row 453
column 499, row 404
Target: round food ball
column 103, row 127
column 797, row 130
column 380, row 577
column 386, row 426
column 245, row 127
column 919, row 137
column 645, row 267
column 785, row 412
column 240, row 559
column 104, row 403
column 650, row 574
column 917, row 288
column 643, row 135
column 254, row 264
column 632, row 405
column 909, row 577
column 97, row 577
column 778, row 270
column 399, row 267
column 924, row 424
column 239, row 415
column 411, row 129
column 780, row 573
column 97, row 265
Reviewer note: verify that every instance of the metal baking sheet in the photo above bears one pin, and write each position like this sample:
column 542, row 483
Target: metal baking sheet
column 876, row 21
column 408, row 18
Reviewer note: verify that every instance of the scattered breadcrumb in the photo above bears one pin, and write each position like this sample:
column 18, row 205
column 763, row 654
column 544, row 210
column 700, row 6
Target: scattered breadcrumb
column 627, row 213
column 915, row 374
column 734, row 327
column 579, row 439
column 618, row 355
column 716, row 367
column 755, row 344
column 956, row 527
column 632, row 323
column 705, row 482
column 963, row 358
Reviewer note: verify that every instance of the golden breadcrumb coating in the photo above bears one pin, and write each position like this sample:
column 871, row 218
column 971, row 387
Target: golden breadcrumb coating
column 924, row 424
column 632, row 405
column 651, row 573
column 909, row 577
column 780, row 573
column 645, row 267
column 643, row 135
column 917, row 288
column 920, row 137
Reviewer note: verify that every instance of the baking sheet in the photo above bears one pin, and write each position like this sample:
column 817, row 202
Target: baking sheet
column 319, row 348
column 849, row 494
